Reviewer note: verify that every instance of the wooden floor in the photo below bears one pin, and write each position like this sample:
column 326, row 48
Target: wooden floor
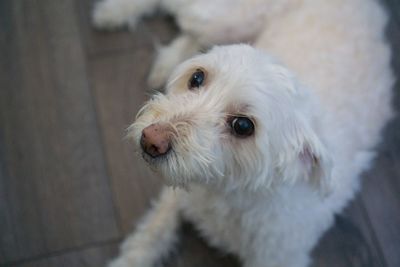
column 70, row 186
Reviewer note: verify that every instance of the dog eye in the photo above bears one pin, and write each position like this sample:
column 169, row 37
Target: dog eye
column 242, row 126
column 197, row 79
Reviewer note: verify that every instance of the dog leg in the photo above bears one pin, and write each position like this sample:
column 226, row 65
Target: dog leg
column 111, row 14
column 168, row 57
column 154, row 236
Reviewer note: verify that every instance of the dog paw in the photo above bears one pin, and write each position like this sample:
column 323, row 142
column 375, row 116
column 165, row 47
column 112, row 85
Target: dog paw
column 109, row 15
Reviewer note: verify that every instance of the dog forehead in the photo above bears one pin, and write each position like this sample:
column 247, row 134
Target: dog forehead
column 237, row 59
column 229, row 59
column 245, row 74
column 228, row 67
column 238, row 75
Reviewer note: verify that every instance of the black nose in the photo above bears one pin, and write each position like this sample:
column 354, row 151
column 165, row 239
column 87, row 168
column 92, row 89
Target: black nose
column 155, row 140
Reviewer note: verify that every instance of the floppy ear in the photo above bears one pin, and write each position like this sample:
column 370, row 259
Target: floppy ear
column 302, row 154
column 306, row 158
column 316, row 163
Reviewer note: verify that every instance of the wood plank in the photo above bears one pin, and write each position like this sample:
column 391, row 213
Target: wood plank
column 8, row 241
column 382, row 200
column 393, row 36
column 350, row 242
column 53, row 174
column 358, row 216
column 119, row 89
column 154, row 30
column 88, row 257
column 394, row 8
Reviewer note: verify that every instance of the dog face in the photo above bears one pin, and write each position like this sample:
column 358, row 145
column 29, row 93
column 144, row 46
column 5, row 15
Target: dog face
column 232, row 117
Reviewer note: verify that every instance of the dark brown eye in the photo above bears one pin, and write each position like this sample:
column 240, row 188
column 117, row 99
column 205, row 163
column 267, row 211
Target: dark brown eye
column 197, row 79
column 242, row 126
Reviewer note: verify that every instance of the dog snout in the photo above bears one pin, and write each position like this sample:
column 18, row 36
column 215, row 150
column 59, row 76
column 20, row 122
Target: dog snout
column 155, row 140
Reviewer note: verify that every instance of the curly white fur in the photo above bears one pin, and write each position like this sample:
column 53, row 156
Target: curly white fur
column 269, row 197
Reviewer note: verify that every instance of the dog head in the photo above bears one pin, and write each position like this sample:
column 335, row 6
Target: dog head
column 233, row 117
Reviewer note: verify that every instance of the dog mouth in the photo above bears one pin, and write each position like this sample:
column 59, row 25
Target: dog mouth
column 152, row 159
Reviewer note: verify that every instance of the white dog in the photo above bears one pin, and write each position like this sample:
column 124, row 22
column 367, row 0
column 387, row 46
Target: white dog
column 265, row 156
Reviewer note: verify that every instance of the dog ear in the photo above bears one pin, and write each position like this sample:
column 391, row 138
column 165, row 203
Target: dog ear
column 306, row 158
column 316, row 165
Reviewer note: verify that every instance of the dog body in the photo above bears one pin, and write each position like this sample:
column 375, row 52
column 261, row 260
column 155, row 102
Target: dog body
column 267, row 196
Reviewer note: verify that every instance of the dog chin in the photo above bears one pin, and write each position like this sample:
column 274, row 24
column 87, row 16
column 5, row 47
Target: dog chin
column 177, row 178
column 160, row 165
column 153, row 162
